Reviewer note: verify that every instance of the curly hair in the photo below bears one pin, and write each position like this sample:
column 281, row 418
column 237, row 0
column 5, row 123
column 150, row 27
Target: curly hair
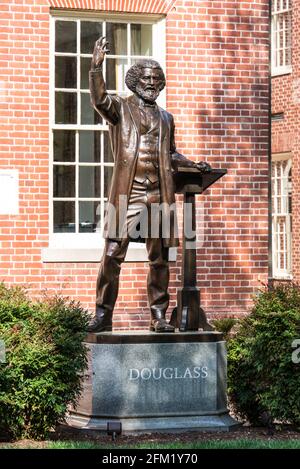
column 135, row 71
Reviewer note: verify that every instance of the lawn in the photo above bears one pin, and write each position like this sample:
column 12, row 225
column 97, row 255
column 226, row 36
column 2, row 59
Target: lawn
column 229, row 444
column 244, row 437
column 204, row 444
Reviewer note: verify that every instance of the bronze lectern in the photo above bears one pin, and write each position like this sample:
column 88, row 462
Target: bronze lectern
column 188, row 315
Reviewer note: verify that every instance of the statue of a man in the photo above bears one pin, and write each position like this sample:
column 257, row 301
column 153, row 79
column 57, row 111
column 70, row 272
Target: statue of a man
column 142, row 138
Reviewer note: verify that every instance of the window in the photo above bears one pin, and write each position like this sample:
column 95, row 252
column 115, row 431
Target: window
column 82, row 161
column 281, row 36
column 282, row 216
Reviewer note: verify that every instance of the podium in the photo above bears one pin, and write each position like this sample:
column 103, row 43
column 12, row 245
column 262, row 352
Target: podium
column 188, row 314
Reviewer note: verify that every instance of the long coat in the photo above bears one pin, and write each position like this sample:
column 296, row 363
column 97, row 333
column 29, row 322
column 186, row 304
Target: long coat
column 124, row 117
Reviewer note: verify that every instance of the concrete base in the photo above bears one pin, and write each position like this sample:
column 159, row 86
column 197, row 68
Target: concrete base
column 155, row 382
column 212, row 423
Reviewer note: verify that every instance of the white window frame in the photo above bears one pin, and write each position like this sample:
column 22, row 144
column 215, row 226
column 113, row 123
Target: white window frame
column 87, row 247
column 286, row 272
column 279, row 12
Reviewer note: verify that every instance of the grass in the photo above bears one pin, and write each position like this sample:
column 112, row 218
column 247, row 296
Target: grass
column 228, row 444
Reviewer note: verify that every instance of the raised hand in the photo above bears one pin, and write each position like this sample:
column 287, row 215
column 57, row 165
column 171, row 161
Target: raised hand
column 203, row 167
column 100, row 50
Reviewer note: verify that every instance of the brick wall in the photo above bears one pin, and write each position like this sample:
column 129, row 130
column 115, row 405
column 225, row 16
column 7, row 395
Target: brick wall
column 217, row 89
column 285, row 133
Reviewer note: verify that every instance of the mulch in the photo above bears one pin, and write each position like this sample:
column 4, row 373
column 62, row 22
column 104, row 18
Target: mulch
column 65, row 433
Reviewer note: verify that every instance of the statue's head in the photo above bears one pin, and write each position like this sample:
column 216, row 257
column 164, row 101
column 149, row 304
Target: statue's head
column 146, row 78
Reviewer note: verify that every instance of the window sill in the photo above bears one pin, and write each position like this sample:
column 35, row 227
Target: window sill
column 280, row 72
column 282, row 277
column 136, row 253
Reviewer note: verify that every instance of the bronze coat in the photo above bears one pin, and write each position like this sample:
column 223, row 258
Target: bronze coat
column 123, row 115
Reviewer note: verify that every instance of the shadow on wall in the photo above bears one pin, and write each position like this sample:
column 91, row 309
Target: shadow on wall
column 236, row 121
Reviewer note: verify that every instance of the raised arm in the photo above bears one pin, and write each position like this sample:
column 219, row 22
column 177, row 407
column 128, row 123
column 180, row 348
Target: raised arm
column 179, row 160
column 107, row 105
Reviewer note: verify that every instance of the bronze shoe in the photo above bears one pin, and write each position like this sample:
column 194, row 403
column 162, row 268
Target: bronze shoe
column 161, row 325
column 101, row 322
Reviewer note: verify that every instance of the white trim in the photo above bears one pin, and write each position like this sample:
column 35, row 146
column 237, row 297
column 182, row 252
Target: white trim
column 79, row 127
column 277, row 71
column 136, row 253
column 282, row 277
column 76, row 179
column 159, row 46
column 129, row 44
column 51, row 118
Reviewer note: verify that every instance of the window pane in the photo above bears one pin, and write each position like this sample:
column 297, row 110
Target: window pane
column 65, row 72
column 88, row 114
column 90, row 32
column 63, row 181
column 280, row 63
column 85, row 66
column 281, row 36
column 64, row 145
column 288, row 56
column 89, row 217
column 115, row 74
column 108, row 156
column 64, row 217
column 141, row 39
column 65, row 108
column 89, row 146
column 108, row 170
column 89, row 181
column 65, row 36
column 116, row 34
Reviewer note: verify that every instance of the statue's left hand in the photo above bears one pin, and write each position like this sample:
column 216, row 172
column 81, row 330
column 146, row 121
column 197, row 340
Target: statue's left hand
column 203, row 167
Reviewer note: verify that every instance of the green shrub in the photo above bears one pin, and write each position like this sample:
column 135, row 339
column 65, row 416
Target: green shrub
column 225, row 326
column 45, row 359
column 263, row 381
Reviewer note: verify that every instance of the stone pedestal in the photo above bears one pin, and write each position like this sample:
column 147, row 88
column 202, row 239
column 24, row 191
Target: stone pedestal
column 155, row 382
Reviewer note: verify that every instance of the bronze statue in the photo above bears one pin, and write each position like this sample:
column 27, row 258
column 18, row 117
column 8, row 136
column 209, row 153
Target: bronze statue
column 145, row 157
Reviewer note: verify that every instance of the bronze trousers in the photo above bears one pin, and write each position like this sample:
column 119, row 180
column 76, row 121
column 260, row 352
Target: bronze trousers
column 141, row 198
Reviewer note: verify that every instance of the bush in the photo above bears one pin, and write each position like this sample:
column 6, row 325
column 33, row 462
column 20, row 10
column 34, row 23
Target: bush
column 45, row 359
column 264, row 383
column 225, row 326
